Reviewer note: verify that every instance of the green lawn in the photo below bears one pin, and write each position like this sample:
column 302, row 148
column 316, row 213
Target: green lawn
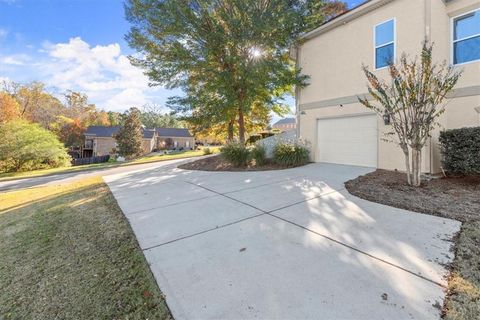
column 146, row 159
column 67, row 252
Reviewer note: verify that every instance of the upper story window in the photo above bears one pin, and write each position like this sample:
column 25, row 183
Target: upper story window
column 466, row 37
column 384, row 44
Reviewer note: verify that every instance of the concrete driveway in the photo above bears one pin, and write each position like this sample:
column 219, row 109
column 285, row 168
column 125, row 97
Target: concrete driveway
column 287, row 244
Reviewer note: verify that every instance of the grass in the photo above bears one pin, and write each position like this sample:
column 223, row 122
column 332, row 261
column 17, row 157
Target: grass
column 145, row 159
column 67, row 252
column 456, row 198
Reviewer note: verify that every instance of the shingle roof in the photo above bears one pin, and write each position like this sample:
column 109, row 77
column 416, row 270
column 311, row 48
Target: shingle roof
column 102, row 131
column 173, row 132
column 148, row 133
column 285, row 121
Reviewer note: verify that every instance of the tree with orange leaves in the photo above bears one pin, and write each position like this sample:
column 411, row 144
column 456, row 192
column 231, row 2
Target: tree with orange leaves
column 9, row 108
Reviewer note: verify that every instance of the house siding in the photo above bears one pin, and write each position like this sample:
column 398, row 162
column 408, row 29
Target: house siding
column 333, row 61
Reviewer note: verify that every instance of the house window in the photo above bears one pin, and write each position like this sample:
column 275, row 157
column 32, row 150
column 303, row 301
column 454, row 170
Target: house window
column 466, row 37
column 384, row 44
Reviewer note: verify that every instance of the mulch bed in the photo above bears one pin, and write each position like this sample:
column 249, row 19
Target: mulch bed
column 217, row 163
column 452, row 197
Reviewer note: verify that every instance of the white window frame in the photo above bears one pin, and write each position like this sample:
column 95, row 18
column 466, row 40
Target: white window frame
column 453, row 41
column 375, row 47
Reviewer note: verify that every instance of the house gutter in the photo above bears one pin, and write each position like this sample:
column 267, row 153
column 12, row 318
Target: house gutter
column 345, row 17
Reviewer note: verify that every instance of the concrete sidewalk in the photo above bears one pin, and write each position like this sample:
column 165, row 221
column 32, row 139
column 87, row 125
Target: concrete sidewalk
column 284, row 244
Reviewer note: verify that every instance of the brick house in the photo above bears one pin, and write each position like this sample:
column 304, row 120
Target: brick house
column 285, row 124
column 100, row 140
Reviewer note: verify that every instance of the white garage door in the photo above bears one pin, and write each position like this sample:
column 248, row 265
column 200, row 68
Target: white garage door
column 348, row 140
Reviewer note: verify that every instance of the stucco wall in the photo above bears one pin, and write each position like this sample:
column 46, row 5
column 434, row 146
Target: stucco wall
column 333, row 60
column 104, row 146
column 148, row 145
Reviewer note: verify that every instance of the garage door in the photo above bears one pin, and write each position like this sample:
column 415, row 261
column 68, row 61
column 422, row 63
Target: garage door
column 348, row 140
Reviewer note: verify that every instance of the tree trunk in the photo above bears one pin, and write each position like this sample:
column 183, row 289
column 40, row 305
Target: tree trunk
column 416, row 164
column 241, row 126
column 230, row 130
column 407, row 165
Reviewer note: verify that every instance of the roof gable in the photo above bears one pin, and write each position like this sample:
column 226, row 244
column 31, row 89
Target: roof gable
column 285, row 121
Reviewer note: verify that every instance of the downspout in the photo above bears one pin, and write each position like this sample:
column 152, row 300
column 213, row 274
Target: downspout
column 297, row 94
column 427, row 38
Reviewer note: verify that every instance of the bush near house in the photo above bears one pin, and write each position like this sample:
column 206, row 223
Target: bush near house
column 236, row 153
column 259, row 154
column 27, row 146
column 207, row 151
column 461, row 150
column 290, row 154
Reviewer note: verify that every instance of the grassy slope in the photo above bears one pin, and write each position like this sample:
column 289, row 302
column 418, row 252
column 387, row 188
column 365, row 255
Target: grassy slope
column 146, row 159
column 67, row 252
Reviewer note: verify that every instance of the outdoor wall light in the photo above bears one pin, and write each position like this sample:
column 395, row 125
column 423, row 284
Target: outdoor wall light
column 386, row 119
column 303, row 113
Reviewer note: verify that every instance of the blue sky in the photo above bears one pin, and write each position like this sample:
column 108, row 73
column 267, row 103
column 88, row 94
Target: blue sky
column 78, row 45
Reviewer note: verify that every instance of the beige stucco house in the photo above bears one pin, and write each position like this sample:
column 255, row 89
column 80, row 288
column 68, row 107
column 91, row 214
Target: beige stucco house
column 100, row 140
column 341, row 130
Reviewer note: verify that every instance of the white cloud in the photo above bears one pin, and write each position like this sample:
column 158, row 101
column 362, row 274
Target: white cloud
column 15, row 59
column 3, row 33
column 102, row 72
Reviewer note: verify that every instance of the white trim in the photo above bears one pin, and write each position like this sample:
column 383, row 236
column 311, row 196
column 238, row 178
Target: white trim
column 453, row 41
column 394, row 42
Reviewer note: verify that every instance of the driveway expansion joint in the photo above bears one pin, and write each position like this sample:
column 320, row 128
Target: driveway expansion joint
column 270, row 213
column 202, row 232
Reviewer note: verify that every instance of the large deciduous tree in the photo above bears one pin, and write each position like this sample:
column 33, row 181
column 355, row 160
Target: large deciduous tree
column 412, row 101
column 226, row 55
column 130, row 136
column 27, row 146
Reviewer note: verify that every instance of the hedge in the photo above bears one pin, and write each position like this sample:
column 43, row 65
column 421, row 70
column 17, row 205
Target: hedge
column 461, row 150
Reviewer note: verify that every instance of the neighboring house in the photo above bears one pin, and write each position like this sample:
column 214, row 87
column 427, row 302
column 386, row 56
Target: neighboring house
column 285, row 124
column 174, row 138
column 100, row 140
column 343, row 131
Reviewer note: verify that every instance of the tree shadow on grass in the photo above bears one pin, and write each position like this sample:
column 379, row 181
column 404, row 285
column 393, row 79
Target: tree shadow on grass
column 71, row 254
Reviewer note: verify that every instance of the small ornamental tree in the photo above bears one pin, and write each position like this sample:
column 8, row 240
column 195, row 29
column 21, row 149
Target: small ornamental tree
column 129, row 137
column 412, row 102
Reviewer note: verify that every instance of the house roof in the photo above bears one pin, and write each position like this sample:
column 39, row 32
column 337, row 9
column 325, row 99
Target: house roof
column 148, row 133
column 102, row 131
column 358, row 11
column 107, row 132
column 173, row 132
column 285, row 121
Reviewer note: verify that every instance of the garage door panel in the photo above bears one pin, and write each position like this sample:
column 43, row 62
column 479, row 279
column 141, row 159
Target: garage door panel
column 348, row 140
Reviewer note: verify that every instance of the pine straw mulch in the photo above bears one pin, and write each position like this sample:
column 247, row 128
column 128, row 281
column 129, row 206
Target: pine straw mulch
column 217, row 163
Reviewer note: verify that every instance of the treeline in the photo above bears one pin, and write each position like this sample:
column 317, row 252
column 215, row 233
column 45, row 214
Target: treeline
column 68, row 119
column 39, row 129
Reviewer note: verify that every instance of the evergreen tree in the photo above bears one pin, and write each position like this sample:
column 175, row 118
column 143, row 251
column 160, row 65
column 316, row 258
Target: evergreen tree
column 130, row 136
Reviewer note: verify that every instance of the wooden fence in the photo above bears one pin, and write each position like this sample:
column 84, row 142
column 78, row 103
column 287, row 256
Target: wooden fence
column 83, row 161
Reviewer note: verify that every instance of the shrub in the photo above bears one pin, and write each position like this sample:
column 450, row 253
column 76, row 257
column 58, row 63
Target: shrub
column 27, row 146
column 259, row 154
column 235, row 153
column 290, row 154
column 207, row 151
column 461, row 150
